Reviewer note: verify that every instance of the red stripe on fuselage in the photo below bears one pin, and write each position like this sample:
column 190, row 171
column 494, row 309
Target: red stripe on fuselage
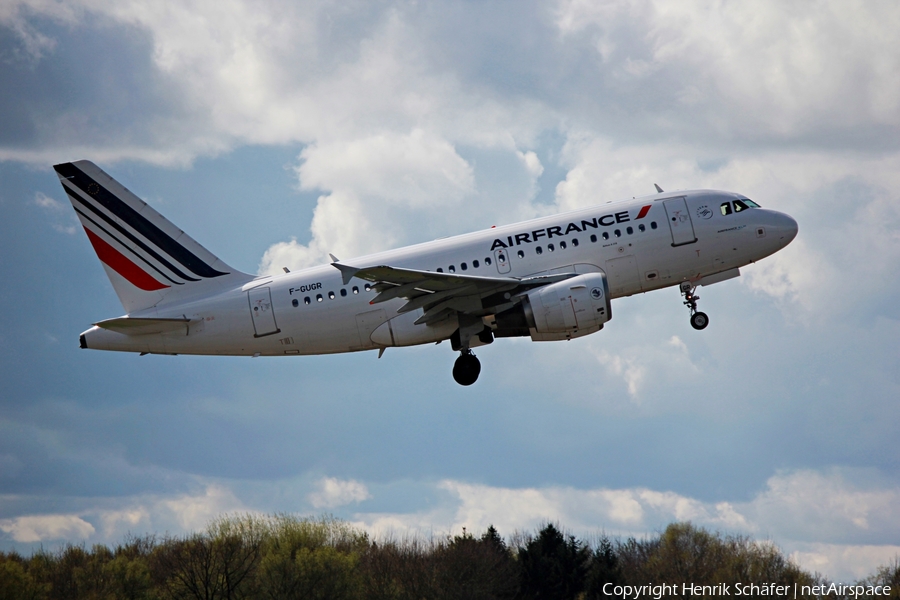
column 643, row 213
column 120, row 263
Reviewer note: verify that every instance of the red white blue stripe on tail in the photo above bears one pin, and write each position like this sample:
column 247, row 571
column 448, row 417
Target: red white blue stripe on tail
column 145, row 250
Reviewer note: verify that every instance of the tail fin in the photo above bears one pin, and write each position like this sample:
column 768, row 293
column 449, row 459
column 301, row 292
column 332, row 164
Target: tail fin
column 148, row 260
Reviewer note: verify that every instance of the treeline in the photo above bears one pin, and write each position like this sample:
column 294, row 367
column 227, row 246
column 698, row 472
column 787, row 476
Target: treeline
column 283, row 556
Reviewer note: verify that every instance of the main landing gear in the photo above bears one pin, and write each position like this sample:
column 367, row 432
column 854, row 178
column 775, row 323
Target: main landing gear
column 466, row 368
column 699, row 320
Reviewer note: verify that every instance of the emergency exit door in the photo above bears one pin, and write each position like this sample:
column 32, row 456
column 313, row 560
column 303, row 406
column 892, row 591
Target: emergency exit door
column 679, row 221
column 261, row 311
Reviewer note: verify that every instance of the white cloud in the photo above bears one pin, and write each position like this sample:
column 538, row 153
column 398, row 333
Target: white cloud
column 64, row 220
column 854, row 562
column 816, row 516
column 195, row 511
column 766, row 69
column 632, row 363
column 37, row 528
column 628, row 369
column 49, row 204
column 375, row 185
column 825, row 507
column 334, row 492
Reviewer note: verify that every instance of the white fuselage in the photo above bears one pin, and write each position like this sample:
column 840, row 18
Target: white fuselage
column 682, row 236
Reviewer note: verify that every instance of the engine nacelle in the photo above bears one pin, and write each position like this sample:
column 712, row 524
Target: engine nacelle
column 568, row 309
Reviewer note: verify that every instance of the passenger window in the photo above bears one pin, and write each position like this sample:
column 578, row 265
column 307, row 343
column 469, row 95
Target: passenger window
column 440, row 270
column 487, row 260
column 355, row 290
column 642, row 227
column 368, row 288
column 331, row 295
column 562, row 245
column 463, row 266
column 550, row 247
column 295, row 303
column 574, row 241
column 318, row 297
column 725, row 208
column 520, row 254
column 307, row 300
column 617, row 233
column 539, row 250
column 605, row 235
column 739, row 206
column 593, row 238
column 629, row 230
column 452, row 269
column 343, row 293
column 652, row 224
column 474, row 264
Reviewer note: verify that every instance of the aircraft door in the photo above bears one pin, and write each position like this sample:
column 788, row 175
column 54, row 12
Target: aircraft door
column 261, row 311
column 680, row 221
column 501, row 257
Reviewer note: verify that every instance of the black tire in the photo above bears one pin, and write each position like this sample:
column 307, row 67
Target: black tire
column 466, row 369
column 699, row 320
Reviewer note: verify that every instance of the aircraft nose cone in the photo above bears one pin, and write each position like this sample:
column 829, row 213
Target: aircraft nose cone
column 789, row 228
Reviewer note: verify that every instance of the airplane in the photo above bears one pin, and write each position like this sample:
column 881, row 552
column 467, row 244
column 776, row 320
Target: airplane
column 550, row 278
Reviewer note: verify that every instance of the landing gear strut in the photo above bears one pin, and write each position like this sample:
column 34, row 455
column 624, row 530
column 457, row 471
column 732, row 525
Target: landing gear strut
column 699, row 320
column 466, row 368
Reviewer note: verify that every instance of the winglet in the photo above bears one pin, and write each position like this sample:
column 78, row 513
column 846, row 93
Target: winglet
column 347, row 272
column 333, row 257
column 659, row 190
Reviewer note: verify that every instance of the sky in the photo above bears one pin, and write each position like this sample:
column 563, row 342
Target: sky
column 276, row 132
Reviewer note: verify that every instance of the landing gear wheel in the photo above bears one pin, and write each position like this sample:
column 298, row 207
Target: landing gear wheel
column 466, row 368
column 699, row 320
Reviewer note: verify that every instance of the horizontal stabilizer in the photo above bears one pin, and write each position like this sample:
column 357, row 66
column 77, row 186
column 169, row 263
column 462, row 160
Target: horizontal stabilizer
column 139, row 326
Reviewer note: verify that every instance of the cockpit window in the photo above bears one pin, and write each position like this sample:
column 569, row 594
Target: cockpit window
column 739, row 205
column 744, row 204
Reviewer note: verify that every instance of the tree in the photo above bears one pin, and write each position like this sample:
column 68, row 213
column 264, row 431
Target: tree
column 553, row 566
column 604, row 568
column 218, row 564
column 311, row 559
column 16, row 583
column 470, row 568
column 887, row 575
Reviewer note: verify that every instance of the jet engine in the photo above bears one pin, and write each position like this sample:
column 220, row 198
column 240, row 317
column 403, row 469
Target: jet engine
column 560, row 311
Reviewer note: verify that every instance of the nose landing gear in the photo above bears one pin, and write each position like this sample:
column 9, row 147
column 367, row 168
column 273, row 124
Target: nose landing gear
column 466, row 368
column 699, row 320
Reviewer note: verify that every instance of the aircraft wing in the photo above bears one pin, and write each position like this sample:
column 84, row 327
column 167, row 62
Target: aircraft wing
column 442, row 294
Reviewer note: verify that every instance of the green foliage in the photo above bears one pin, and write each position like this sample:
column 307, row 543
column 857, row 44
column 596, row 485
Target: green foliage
column 688, row 554
column 311, row 559
column 16, row 583
column 284, row 556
